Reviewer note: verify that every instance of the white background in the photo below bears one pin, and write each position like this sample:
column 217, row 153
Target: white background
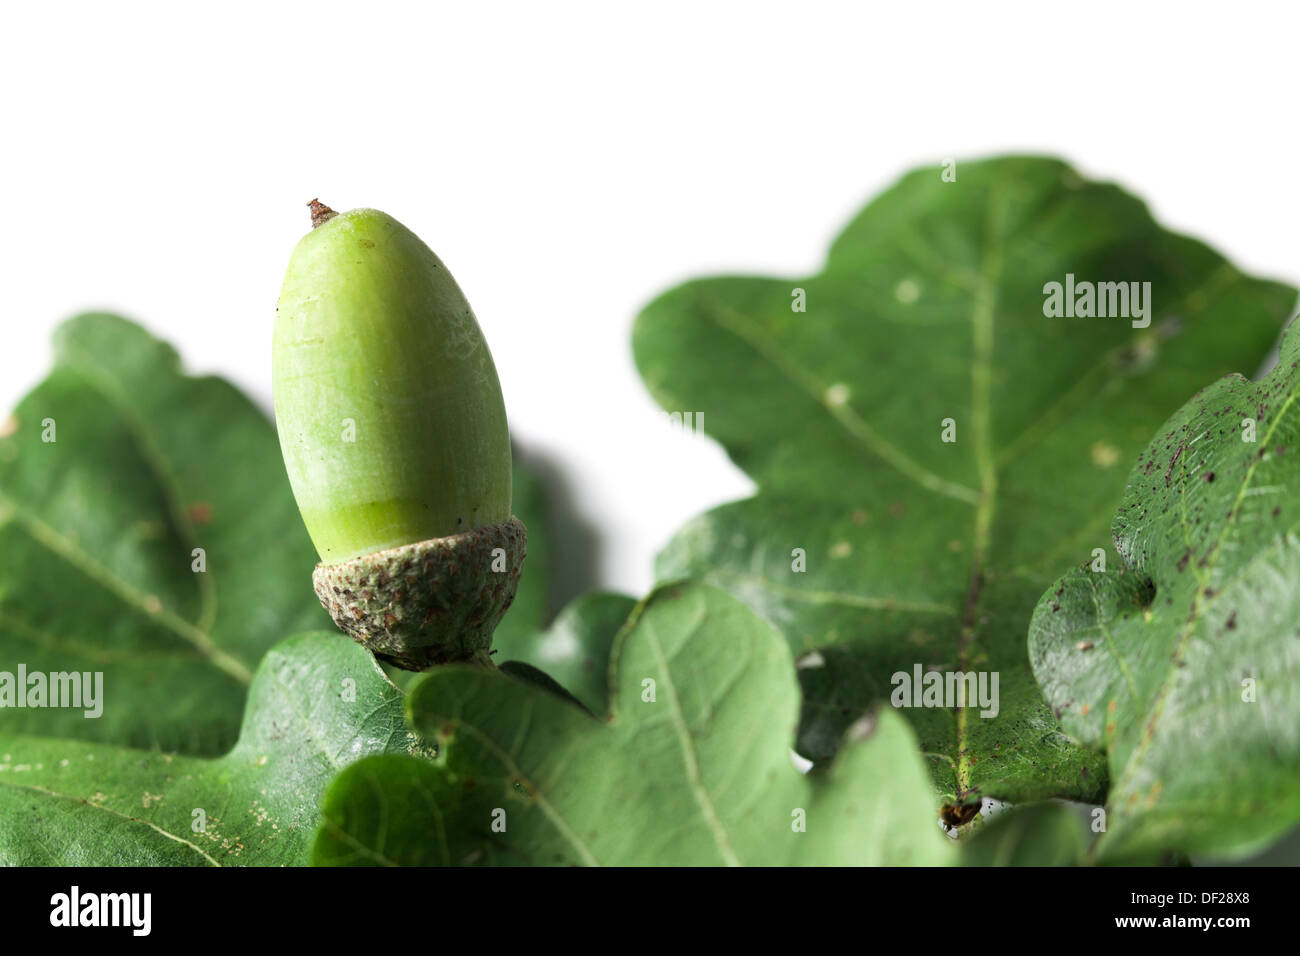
column 569, row 161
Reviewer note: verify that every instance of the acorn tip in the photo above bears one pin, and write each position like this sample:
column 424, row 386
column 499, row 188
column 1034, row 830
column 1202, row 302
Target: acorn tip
column 320, row 213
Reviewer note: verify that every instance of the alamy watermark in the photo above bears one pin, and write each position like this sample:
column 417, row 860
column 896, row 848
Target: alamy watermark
column 1103, row 300
column 946, row 689
column 130, row 910
column 57, row 689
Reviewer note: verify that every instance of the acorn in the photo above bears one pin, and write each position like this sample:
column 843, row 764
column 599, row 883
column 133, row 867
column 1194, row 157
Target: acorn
column 395, row 439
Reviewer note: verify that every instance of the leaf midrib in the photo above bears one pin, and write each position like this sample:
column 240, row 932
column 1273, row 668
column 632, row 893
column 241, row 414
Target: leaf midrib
column 690, row 758
column 982, row 342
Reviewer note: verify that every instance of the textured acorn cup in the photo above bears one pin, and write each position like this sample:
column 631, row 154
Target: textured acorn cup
column 395, row 439
column 430, row 602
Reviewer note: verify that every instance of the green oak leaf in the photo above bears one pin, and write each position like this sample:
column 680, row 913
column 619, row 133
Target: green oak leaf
column 98, row 536
column 689, row 766
column 318, row 702
column 1183, row 664
column 918, row 551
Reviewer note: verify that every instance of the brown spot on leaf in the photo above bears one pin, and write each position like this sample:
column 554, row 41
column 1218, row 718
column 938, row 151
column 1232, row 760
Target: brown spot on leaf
column 956, row 816
column 1169, row 473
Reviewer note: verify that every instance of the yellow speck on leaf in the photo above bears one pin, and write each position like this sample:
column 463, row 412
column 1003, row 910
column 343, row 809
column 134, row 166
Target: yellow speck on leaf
column 1104, row 455
column 907, row 291
column 837, row 395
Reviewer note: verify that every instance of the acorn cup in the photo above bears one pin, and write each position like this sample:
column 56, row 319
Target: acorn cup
column 395, row 439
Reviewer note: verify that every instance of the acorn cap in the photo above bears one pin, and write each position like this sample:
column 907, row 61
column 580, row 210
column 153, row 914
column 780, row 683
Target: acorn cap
column 428, row 603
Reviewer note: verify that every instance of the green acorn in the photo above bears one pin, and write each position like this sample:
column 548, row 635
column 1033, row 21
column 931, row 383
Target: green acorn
column 394, row 435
